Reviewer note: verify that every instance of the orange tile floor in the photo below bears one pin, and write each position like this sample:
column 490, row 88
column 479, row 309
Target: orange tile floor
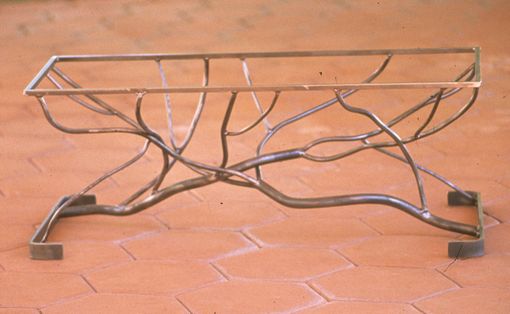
column 227, row 250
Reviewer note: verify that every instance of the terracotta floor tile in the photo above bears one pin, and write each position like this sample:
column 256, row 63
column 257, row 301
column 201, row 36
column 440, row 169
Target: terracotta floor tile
column 118, row 303
column 18, row 148
column 14, row 236
column 17, row 310
column 52, row 184
column 227, row 214
column 152, row 277
column 283, row 263
column 25, row 210
column 94, row 161
column 78, row 257
column 38, row 289
column 405, row 251
column 18, row 127
column 180, row 245
column 388, row 284
column 486, row 271
column 499, row 209
column 468, row 300
column 493, row 239
column 105, row 142
column 249, row 297
column 319, row 232
column 15, row 167
column 103, row 227
column 360, row 307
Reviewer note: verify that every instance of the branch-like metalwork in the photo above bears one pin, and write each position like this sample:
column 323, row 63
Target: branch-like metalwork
column 154, row 192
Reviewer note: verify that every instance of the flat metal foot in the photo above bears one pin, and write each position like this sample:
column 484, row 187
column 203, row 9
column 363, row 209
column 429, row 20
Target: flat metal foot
column 467, row 248
column 51, row 251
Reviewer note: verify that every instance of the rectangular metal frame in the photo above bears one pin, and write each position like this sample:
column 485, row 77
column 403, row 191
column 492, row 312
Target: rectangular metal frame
column 32, row 89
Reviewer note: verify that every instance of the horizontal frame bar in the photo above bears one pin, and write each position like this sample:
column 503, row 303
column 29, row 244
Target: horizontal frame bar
column 254, row 88
column 31, row 91
column 276, row 54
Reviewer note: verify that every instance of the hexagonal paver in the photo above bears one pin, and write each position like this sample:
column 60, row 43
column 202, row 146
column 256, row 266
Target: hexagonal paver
column 152, row 277
column 249, row 297
column 320, row 232
column 188, row 245
column 225, row 214
column 102, row 227
column 119, row 303
column 283, row 263
column 384, row 284
column 406, row 251
column 78, row 256
column 361, row 307
column 493, row 239
column 469, row 301
column 38, row 289
column 488, row 271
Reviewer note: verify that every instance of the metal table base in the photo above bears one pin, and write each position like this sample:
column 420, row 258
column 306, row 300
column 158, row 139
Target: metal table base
column 82, row 203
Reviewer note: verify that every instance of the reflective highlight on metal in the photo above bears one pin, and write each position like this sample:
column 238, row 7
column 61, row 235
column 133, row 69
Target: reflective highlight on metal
column 237, row 174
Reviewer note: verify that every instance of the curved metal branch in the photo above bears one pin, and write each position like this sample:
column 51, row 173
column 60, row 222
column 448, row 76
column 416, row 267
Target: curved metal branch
column 431, row 114
column 261, row 117
column 249, row 81
column 95, row 99
column 168, row 106
column 78, row 100
column 107, row 175
column 224, row 132
column 62, row 128
column 275, row 195
column 397, row 119
column 397, row 140
column 315, row 109
column 429, row 172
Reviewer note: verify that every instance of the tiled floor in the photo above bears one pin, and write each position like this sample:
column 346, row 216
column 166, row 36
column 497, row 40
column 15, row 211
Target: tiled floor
column 226, row 250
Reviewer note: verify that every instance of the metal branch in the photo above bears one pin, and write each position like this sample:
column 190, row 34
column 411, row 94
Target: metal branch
column 249, row 81
column 224, row 132
column 78, row 100
column 168, row 106
column 260, row 118
column 92, row 185
column 427, row 171
column 315, row 109
column 397, row 140
column 431, row 114
column 94, row 98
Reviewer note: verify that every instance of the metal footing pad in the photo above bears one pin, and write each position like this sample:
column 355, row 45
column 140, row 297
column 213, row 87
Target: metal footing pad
column 467, row 248
column 39, row 248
